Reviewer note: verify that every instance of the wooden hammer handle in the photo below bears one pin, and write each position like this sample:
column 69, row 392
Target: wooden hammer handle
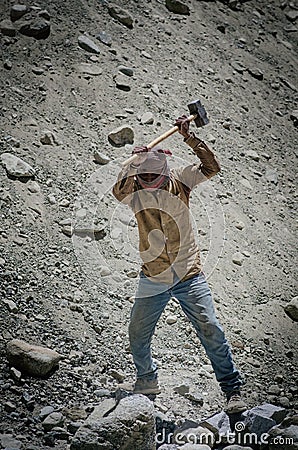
column 157, row 141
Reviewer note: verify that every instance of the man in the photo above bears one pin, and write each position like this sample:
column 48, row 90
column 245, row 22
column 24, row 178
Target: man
column 171, row 266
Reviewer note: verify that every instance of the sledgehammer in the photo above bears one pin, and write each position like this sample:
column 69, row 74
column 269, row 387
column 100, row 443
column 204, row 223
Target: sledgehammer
column 198, row 115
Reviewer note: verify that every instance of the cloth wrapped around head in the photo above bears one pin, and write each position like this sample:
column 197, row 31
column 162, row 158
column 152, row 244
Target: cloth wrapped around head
column 154, row 172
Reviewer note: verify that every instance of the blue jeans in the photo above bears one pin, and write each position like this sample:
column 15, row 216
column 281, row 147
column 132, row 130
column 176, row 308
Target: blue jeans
column 195, row 298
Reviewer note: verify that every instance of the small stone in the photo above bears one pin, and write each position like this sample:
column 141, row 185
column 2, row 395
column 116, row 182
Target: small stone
column 104, row 38
column 38, row 70
column 292, row 15
column 126, row 70
column 177, row 7
column 170, row 320
column 11, row 306
column 147, row 118
column 33, row 359
column 271, row 176
column 146, row 55
column 196, row 398
column 89, row 69
column 121, row 136
column 121, row 82
column 8, row 442
column 64, row 203
column 16, row 167
column 104, row 271
column 246, row 183
column 117, row 375
column 238, row 259
column 121, row 15
column 291, row 309
column 256, row 73
column 274, row 389
column 7, row 28
column 33, row 187
column 253, row 155
column 44, row 14
column 7, row 64
column 100, row 158
column 55, row 419
column 155, row 90
column 87, row 44
column 47, row 138
column 18, row 11
column 294, row 117
column 284, row 402
column 16, row 374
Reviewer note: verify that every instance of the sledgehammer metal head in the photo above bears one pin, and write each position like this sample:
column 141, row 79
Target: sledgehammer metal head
column 197, row 109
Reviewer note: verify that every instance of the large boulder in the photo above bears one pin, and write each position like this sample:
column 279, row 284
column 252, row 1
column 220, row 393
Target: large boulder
column 260, row 419
column 16, row 167
column 285, row 435
column 177, row 7
column 31, row 359
column 128, row 425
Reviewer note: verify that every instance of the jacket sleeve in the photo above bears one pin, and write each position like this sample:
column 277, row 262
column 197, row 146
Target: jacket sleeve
column 194, row 174
column 124, row 186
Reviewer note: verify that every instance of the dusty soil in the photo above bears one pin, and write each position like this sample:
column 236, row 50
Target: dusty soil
column 73, row 294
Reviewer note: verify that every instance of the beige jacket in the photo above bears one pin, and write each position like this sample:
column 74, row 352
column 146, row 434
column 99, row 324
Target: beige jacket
column 166, row 239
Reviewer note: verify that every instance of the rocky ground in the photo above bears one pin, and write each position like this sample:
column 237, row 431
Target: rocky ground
column 72, row 74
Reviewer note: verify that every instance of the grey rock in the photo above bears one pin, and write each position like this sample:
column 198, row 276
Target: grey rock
column 291, row 309
column 237, row 447
column 168, row 447
column 194, row 397
column 256, row 73
column 7, row 64
column 294, row 117
column 7, row 28
column 194, row 435
column 11, row 306
column 271, row 175
column 285, row 435
column 171, row 319
column 121, row 15
column 261, row 418
column 32, row 359
column 194, row 447
column 130, row 425
column 292, row 15
column 182, row 389
column 87, row 44
column 46, row 411
column 284, row 402
column 16, row 374
column 121, row 136
column 238, row 259
column 9, row 442
column 219, row 424
column 18, row 11
column 238, row 66
column 147, row 118
column 100, row 158
column 89, row 69
column 126, row 70
column 55, row 419
column 121, row 82
column 16, row 167
column 104, row 38
column 9, row 407
column 38, row 29
column 47, row 138
column 274, row 389
column 44, row 14
column 253, row 155
column 177, row 7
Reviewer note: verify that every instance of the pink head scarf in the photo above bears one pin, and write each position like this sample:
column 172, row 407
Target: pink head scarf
column 155, row 163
